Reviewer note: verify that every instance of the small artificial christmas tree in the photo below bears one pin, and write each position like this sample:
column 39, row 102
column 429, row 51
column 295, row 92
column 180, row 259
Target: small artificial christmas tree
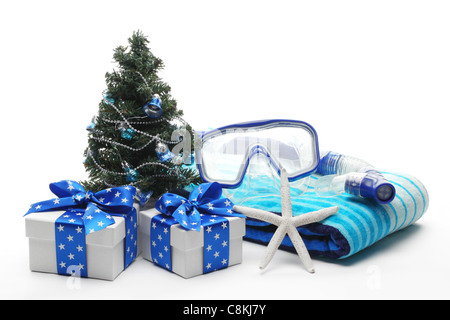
column 129, row 140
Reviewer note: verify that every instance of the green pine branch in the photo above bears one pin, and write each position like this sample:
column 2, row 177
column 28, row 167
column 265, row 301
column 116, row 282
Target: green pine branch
column 131, row 86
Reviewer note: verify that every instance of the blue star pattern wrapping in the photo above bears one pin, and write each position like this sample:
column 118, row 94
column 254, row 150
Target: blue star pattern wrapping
column 204, row 210
column 86, row 213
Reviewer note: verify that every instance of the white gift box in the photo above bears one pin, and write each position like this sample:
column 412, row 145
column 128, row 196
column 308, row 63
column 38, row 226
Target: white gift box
column 105, row 249
column 187, row 246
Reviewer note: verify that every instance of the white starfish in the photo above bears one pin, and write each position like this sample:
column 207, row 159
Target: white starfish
column 287, row 224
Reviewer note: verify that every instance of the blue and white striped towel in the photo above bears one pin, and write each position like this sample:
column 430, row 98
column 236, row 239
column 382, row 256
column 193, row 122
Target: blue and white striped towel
column 359, row 222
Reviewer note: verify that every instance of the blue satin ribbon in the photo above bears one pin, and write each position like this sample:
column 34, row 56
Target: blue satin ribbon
column 204, row 199
column 87, row 212
column 206, row 208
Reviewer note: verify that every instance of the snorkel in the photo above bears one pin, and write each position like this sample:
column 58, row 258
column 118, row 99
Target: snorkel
column 352, row 176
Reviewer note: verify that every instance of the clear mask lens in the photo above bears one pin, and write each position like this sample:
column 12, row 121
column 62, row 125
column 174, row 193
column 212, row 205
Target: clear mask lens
column 226, row 153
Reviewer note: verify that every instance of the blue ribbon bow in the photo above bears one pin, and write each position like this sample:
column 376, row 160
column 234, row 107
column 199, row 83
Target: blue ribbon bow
column 204, row 199
column 87, row 212
column 98, row 206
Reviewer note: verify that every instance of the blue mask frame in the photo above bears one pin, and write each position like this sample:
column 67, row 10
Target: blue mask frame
column 259, row 149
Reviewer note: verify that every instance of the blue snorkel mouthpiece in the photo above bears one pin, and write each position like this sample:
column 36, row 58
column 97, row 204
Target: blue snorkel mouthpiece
column 375, row 185
column 352, row 176
column 370, row 184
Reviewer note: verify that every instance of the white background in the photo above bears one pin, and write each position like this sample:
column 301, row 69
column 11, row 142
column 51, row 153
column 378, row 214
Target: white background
column 372, row 77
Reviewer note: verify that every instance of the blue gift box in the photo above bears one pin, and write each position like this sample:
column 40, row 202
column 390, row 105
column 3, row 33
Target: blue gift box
column 192, row 236
column 83, row 234
column 187, row 247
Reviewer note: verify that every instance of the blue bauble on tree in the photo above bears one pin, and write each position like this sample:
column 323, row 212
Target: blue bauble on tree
column 132, row 174
column 163, row 153
column 109, row 98
column 127, row 132
column 91, row 126
column 153, row 108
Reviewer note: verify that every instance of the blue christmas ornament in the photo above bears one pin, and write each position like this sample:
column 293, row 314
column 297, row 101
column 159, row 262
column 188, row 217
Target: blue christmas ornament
column 108, row 98
column 127, row 132
column 132, row 174
column 163, row 153
column 153, row 108
column 91, row 125
column 144, row 197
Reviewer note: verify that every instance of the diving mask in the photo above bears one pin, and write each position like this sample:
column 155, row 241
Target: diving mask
column 226, row 152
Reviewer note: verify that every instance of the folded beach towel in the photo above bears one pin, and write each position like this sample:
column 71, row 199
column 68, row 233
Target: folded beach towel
column 359, row 223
